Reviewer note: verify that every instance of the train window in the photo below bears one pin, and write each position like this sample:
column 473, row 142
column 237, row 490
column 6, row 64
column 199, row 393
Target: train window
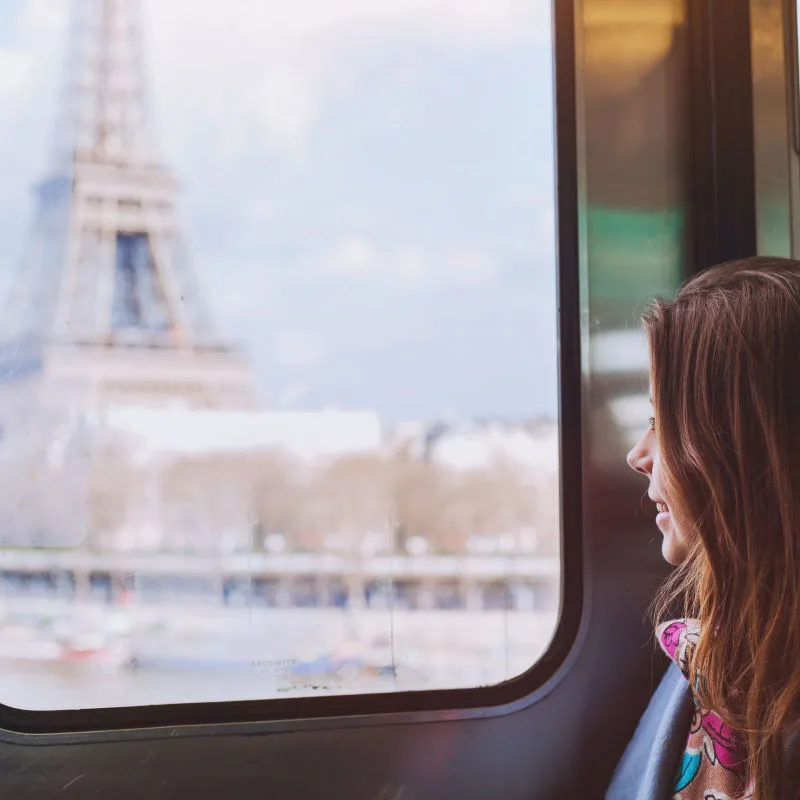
column 302, row 438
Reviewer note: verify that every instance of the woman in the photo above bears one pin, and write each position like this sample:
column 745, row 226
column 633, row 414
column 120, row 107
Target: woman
column 722, row 456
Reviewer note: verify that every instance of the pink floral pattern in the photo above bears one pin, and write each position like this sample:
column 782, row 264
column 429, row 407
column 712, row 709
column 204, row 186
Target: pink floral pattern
column 713, row 763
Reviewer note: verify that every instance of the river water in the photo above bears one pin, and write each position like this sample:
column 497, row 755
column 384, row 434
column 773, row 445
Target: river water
column 159, row 656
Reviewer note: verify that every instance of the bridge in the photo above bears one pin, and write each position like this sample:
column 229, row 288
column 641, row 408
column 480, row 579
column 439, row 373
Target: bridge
column 286, row 580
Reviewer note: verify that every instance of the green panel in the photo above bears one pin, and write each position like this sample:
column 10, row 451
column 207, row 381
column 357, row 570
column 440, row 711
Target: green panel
column 774, row 236
column 634, row 256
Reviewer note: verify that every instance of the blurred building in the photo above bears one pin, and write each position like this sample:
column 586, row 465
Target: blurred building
column 532, row 447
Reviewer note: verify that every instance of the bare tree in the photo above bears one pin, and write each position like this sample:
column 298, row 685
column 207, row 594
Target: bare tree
column 355, row 504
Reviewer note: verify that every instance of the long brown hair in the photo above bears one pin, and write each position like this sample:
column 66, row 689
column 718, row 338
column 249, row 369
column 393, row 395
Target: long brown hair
column 725, row 381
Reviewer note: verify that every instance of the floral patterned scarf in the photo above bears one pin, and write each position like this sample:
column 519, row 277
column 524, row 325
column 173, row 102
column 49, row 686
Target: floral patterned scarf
column 713, row 764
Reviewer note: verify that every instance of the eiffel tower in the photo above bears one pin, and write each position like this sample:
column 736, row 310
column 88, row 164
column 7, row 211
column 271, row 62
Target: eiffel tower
column 107, row 310
column 107, row 290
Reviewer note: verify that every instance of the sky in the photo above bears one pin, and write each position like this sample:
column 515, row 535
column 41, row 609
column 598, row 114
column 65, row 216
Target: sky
column 367, row 189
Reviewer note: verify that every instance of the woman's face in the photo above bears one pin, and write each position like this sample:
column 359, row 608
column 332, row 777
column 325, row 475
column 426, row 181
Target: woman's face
column 645, row 458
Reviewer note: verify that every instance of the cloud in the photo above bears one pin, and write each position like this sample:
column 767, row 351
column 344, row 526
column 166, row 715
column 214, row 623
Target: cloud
column 470, row 267
column 38, row 18
column 30, row 62
column 297, row 348
column 410, row 268
column 260, row 211
column 14, row 69
column 238, row 291
column 276, row 67
column 36, row 40
column 293, row 396
column 353, row 256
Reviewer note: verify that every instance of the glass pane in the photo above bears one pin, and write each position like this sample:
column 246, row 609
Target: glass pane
column 279, row 412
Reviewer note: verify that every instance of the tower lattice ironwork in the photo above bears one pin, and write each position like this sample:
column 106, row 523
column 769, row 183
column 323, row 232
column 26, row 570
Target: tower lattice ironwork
column 107, row 310
column 106, row 276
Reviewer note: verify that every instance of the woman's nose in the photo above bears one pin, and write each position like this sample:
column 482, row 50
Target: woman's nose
column 640, row 457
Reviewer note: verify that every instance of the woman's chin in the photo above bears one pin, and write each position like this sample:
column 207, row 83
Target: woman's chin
column 672, row 551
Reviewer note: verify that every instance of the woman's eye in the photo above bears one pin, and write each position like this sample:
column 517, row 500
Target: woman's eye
column 652, row 421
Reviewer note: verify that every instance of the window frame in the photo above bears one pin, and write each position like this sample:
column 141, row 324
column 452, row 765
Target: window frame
column 169, row 720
